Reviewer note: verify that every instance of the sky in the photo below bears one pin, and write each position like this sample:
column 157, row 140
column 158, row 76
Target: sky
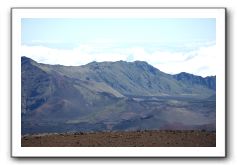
column 171, row 45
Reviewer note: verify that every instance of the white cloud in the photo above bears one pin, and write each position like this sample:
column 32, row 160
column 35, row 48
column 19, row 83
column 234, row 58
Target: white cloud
column 70, row 57
column 200, row 61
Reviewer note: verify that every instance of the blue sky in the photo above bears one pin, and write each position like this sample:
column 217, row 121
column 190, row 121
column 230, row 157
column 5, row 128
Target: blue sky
column 172, row 41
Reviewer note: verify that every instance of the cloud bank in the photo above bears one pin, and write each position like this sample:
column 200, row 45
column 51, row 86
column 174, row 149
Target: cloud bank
column 200, row 61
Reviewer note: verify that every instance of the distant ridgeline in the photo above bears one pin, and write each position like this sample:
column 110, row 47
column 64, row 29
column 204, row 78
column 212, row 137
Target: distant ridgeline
column 113, row 96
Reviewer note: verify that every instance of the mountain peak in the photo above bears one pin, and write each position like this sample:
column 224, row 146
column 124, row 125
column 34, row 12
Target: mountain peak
column 25, row 60
column 141, row 62
column 209, row 82
column 187, row 75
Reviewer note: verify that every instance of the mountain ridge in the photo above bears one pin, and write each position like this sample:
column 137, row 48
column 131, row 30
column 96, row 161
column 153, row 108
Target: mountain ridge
column 120, row 61
column 130, row 78
column 130, row 95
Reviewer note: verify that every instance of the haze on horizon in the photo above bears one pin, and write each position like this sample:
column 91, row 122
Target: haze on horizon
column 171, row 45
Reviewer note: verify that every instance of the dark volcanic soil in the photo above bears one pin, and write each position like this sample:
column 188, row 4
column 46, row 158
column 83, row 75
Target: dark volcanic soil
column 123, row 139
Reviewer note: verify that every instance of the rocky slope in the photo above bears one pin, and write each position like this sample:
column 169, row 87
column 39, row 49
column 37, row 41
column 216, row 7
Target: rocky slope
column 113, row 96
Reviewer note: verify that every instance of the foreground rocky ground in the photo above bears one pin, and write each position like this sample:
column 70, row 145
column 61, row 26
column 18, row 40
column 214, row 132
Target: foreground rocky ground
column 123, row 139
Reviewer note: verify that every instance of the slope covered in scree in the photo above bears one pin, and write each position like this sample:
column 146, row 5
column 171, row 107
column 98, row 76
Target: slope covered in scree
column 112, row 96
